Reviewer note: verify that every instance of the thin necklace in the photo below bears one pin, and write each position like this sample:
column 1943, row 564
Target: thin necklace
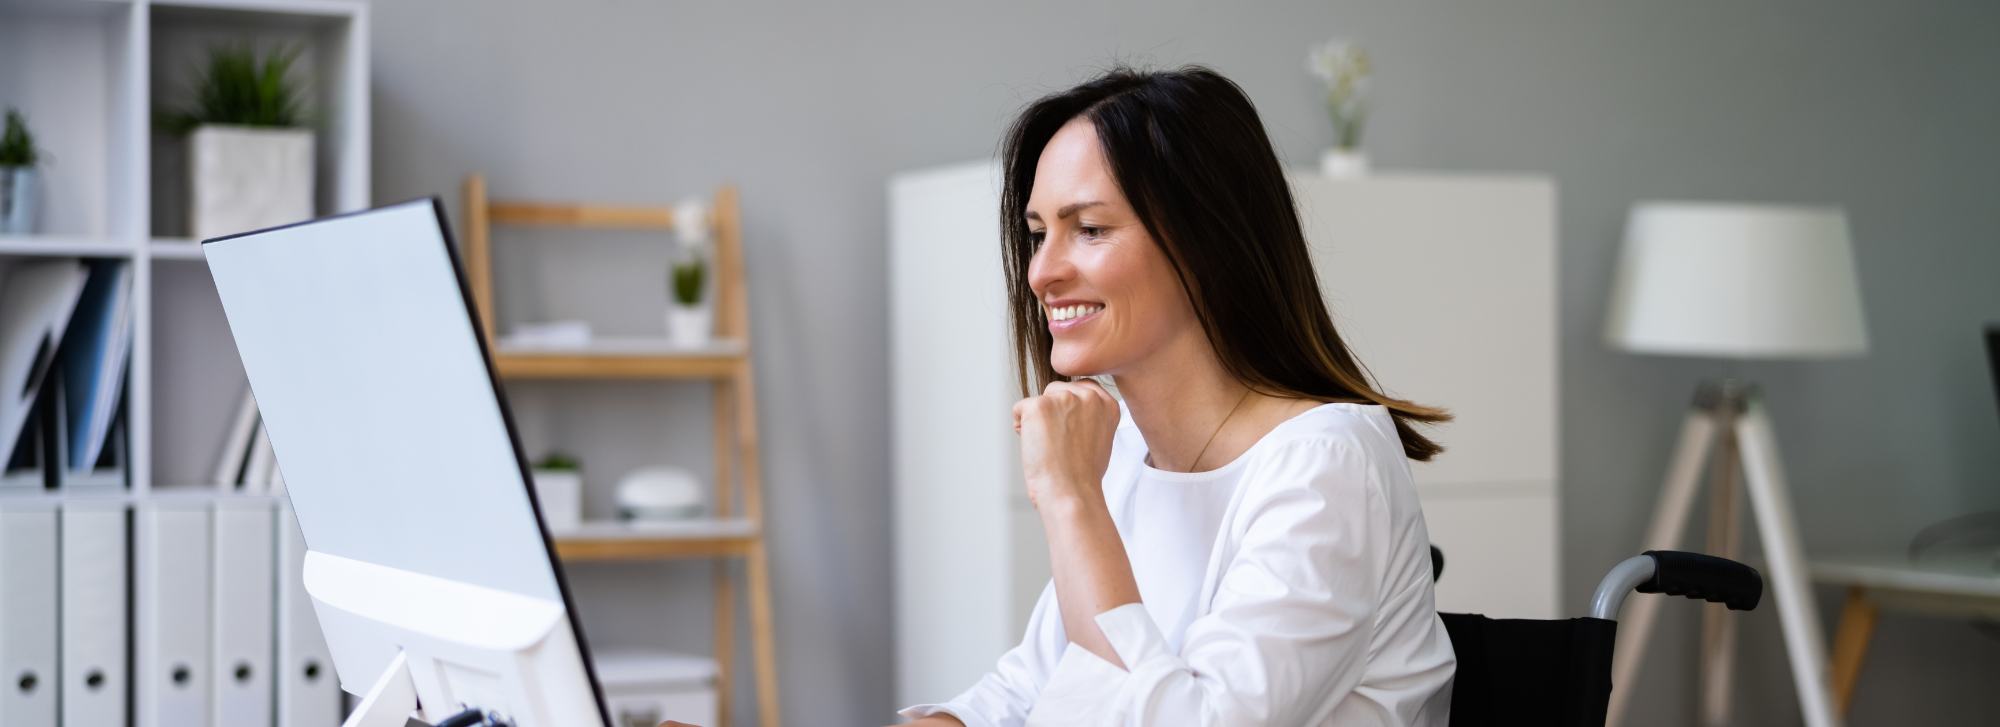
column 1218, row 430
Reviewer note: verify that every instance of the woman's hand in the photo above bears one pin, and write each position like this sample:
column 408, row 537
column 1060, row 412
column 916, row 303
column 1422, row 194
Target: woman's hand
column 1066, row 438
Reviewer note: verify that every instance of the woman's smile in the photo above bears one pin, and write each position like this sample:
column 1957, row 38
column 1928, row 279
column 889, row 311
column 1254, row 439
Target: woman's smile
column 1070, row 315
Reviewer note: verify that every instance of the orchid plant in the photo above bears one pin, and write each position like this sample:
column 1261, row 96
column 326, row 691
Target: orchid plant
column 688, row 276
column 1344, row 67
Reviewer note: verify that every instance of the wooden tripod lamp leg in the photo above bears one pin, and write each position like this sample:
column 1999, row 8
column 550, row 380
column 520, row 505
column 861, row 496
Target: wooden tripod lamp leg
column 1786, row 577
column 1718, row 623
column 1669, row 523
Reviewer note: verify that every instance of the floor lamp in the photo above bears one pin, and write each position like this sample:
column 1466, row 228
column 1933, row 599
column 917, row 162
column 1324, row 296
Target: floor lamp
column 1734, row 281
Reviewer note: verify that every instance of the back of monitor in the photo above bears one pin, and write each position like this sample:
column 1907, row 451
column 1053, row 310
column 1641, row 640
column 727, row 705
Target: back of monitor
column 426, row 552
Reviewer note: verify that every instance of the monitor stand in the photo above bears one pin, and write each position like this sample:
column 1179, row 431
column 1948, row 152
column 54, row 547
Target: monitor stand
column 456, row 646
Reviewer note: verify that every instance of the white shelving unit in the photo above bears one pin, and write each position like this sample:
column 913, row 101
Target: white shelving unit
column 88, row 75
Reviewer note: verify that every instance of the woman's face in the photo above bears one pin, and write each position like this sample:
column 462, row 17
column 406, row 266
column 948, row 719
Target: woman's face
column 1108, row 293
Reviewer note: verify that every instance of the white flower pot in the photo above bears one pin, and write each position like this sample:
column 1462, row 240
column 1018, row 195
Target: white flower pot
column 689, row 327
column 248, row 178
column 17, row 200
column 1337, row 163
column 560, row 494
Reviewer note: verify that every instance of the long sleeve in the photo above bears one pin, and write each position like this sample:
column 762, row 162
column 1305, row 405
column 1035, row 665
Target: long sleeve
column 1003, row 697
column 1319, row 583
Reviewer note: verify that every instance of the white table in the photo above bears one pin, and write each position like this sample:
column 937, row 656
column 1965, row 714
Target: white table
column 1893, row 583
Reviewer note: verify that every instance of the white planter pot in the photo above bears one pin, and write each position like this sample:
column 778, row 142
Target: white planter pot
column 560, row 494
column 17, row 200
column 689, row 327
column 248, row 178
column 1339, row 163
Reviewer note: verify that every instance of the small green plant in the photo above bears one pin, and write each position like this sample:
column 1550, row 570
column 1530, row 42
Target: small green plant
column 560, row 461
column 17, row 146
column 240, row 86
column 688, row 279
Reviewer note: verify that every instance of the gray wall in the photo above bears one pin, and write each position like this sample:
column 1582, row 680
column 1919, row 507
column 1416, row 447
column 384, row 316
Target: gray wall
column 1887, row 108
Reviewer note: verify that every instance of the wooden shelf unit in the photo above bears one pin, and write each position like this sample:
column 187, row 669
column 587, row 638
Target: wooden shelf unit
column 726, row 365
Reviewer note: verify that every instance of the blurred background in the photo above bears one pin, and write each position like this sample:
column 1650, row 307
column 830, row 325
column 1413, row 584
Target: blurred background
column 1886, row 109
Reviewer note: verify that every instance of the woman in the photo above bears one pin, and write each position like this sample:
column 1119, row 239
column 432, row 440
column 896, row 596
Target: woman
column 1239, row 543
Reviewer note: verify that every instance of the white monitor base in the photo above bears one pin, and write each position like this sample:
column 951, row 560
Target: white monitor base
column 390, row 702
column 443, row 646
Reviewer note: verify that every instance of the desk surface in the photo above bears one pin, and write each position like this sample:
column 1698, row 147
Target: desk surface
column 1894, row 583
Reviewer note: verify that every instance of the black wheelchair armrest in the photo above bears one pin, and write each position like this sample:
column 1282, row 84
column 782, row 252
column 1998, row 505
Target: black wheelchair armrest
column 1674, row 573
column 1705, row 577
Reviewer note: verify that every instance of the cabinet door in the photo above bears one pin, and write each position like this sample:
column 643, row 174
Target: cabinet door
column 1445, row 288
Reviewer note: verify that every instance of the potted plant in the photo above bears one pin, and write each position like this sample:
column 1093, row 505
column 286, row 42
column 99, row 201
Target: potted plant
column 689, row 323
column 17, row 176
column 1344, row 67
column 559, row 490
column 250, row 159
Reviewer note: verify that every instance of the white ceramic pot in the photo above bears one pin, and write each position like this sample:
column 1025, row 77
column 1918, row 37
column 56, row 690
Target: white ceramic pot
column 1337, row 163
column 17, row 200
column 560, row 494
column 247, row 178
column 689, row 327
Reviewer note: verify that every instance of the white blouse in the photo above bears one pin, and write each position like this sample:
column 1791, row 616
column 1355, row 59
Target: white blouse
column 1290, row 587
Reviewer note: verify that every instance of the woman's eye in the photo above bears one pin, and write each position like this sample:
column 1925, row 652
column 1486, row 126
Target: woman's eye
column 1035, row 237
column 1091, row 232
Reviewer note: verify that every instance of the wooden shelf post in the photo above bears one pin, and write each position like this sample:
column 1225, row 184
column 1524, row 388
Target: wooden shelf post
column 726, row 365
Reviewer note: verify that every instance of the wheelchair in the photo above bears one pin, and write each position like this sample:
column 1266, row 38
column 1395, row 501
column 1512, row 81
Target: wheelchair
column 1543, row 673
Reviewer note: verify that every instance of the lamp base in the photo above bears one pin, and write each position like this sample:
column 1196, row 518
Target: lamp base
column 1728, row 419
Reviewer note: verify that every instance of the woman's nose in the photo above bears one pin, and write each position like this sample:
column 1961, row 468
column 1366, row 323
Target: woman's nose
column 1048, row 267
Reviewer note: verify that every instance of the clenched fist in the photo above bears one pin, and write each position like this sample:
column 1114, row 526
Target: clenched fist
column 1066, row 438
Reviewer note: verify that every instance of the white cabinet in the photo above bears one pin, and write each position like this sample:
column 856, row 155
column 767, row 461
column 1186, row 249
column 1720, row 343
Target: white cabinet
column 1443, row 285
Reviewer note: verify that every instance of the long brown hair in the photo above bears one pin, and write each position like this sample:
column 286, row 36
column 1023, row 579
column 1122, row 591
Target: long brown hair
column 1188, row 150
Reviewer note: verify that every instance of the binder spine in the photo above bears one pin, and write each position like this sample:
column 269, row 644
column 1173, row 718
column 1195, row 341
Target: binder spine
column 94, row 646
column 29, row 613
column 245, row 536
column 172, row 672
column 308, row 691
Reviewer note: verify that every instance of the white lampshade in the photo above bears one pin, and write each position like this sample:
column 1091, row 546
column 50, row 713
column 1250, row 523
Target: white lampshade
column 1737, row 281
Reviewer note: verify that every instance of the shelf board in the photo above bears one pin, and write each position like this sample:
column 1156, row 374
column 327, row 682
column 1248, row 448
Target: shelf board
column 63, row 246
column 61, row 8
column 175, row 248
column 619, row 358
column 611, row 540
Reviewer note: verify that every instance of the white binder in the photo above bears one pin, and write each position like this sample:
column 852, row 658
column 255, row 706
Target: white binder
column 245, row 541
column 172, row 671
column 93, row 612
column 308, row 692
column 28, row 614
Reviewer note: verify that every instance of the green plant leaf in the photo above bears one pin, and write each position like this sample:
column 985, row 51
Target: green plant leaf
column 559, row 460
column 688, row 279
column 240, row 86
column 17, row 146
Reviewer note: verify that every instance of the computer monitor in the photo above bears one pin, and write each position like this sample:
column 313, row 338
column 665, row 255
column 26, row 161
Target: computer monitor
column 430, row 568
